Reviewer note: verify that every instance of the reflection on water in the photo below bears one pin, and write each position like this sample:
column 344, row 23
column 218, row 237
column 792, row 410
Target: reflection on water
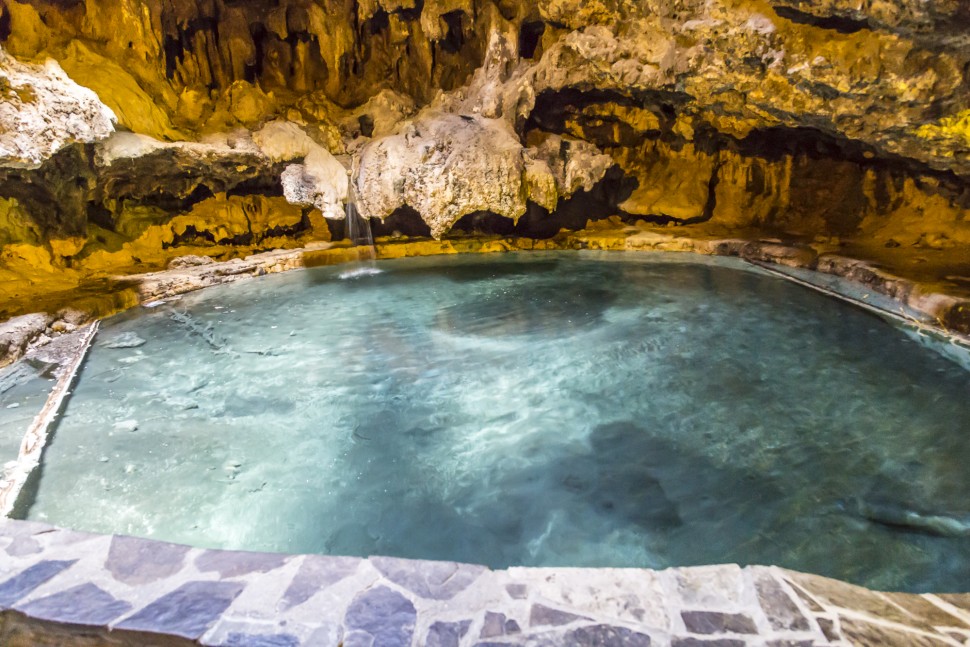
column 559, row 409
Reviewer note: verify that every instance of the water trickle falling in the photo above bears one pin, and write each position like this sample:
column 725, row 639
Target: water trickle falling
column 359, row 234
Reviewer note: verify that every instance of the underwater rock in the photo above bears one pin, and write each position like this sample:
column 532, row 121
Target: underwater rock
column 124, row 340
column 897, row 515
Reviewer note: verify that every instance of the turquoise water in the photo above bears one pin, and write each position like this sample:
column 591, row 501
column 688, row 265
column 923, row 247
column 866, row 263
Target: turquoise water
column 573, row 409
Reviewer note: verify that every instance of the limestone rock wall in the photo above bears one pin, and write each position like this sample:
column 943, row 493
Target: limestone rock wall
column 838, row 122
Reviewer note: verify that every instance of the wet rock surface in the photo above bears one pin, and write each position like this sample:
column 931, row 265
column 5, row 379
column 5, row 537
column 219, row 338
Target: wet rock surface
column 69, row 590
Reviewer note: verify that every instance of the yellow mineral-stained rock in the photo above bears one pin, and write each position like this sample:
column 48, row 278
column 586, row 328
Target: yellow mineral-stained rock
column 837, row 123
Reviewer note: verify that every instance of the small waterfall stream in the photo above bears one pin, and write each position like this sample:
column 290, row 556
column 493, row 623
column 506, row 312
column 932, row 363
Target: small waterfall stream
column 357, row 231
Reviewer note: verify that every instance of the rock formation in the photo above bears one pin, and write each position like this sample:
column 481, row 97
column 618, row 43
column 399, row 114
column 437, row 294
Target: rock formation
column 837, row 123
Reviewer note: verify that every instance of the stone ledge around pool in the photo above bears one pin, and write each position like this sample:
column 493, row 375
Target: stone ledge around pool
column 62, row 587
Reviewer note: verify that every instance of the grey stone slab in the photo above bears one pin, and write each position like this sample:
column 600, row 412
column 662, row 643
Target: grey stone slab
column 710, row 642
column 827, row 625
column 18, row 528
column 140, row 561
column 432, row 580
column 783, row 614
column 542, row 615
column 384, row 614
column 715, row 622
column 328, row 634
column 859, row 632
column 517, row 591
column 261, row 640
column 85, row 604
column 446, row 634
column 358, row 639
column 29, row 579
column 188, row 611
column 316, row 573
column 604, row 635
column 21, row 546
column 708, row 586
column 497, row 624
column 229, row 563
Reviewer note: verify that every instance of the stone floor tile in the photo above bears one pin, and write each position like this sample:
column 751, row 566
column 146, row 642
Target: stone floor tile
column 541, row 615
column 316, row 573
column 228, row 563
column 232, row 630
column 188, row 611
column 716, row 622
column 498, row 624
column 865, row 633
column 608, row 594
column 22, row 546
column 782, row 612
column 707, row 586
column 29, row 579
column 927, row 612
column 960, row 600
column 84, row 604
column 828, row 627
column 857, row 598
column 807, row 599
column 432, row 580
column 517, row 591
column 384, row 614
column 707, row 642
column 135, row 561
column 597, row 635
column 260, row 640
column 446, row 634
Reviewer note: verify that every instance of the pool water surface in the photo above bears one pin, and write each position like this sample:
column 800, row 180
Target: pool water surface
column 561, row 409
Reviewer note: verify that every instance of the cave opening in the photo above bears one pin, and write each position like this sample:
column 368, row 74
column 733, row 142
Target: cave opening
column 840, row 24
column 530, row 37
column 4, row 23
column 454, row 37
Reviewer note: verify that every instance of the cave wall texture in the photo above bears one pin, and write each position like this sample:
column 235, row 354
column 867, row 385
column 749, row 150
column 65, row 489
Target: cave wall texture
column 132, row 132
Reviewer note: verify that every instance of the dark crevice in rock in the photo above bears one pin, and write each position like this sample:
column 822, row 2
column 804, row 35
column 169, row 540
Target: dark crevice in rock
column 99, row 215
column 484, row 223
column 4, row 23
column 377, row 23
column 572, row 214
column 775, row 143
column 841, row 24
column 265, row 185
column 54, row 195
column 412, row 13
column 179, row 40
column 366, row 123
column 173, row 202
column 405, row 221
column 258, row 34
column 530, row 36
column 239, row 239
column 288, row 231
column 190, row 235
column 600, row 202
column 555, row 110
column 454, row 36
